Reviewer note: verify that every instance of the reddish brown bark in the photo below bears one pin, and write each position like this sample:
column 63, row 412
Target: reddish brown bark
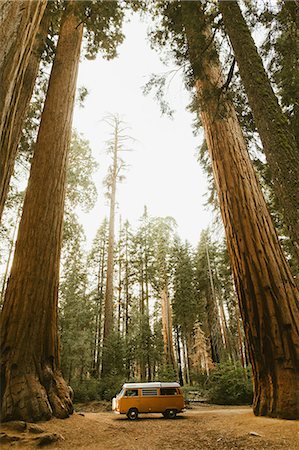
column 19, row 24
column 278, row 141
column 32, row 385
column 267, row 294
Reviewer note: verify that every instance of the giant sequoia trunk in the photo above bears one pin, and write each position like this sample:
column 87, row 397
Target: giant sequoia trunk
column 278, row 141
column 11, row 136
column 32, row 386
column 268, row 296
column 19, row 24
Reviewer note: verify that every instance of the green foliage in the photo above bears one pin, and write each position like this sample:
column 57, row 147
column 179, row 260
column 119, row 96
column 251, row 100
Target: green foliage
column 199, row 379
column 110, row 386
column 93, row 389
column 76, row 312
column 185, row 300
column 281, row 49
column 80, row 188
column 102, row 26
column 230, row 385
column 167, row 373
column 86, row 390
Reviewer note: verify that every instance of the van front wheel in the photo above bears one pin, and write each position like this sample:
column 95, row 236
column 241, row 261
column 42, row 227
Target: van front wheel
column 132, row 414
column 170, row 414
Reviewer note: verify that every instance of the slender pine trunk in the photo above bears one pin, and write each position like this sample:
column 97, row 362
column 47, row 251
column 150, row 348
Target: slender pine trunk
column 108, row 319
column 177, row 333
column 167, row 328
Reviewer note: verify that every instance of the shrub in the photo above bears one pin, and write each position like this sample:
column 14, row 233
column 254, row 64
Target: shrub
column 86, row 390
column 229, row 385
column 92, row 389
column 167, row 373
column 110, row 386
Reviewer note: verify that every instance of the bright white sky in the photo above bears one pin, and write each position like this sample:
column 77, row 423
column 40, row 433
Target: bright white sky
column 164, row 173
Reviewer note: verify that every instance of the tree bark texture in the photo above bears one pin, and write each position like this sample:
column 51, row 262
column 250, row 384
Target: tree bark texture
column 19, row 25
column 32, row 386
column 268, row 296
column 279, row 143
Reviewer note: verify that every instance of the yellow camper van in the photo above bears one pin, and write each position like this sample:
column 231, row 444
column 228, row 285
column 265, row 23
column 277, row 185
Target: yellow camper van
column 137, row 398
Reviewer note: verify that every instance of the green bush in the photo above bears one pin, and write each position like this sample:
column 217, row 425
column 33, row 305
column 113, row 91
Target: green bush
column 92, row 389
column 229, row 385
column 167, row 373
column 110, row 386
column 86, row 390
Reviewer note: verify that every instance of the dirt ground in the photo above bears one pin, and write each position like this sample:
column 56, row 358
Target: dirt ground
column 202, row 427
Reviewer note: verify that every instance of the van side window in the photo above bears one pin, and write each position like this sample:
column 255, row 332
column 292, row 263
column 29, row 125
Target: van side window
column 131, row 393
column 149, row 392
column 168, row 391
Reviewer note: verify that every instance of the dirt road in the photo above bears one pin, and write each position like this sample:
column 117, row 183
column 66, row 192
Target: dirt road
column 202, row 427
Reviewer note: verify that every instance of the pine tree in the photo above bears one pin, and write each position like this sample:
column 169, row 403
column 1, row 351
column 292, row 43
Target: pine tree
column 97, row 263
column 208, row 312
column 75, row 314
column 163, row 238
column 115, row 174
column 184, row 304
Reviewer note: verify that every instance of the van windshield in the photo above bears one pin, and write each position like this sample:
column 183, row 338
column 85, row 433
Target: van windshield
column 121, row 393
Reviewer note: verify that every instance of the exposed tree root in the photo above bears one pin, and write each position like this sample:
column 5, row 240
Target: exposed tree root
column 33, row 398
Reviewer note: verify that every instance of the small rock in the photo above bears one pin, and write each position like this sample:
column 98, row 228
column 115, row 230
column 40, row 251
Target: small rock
column 6, row 438
column 219, row 439
column 16, row 425
column 48, row 439
column 81, row 414
column 35, row 429
column 253, row 433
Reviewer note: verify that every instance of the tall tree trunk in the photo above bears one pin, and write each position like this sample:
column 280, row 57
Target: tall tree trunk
column 213, row 317
column 127, row 300
column 119, row 300
column 32, row 386
column 108, row 319
column 177, row 333
column 186, row 360
column 10, row 253
column 146, row 281
column 278, row 141
column 19, row 24
column 142, row 357
column 167, row 328
column 268, row 297
column 100, row 290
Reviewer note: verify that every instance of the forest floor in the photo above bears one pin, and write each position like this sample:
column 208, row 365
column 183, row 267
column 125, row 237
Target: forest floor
column 201, row 427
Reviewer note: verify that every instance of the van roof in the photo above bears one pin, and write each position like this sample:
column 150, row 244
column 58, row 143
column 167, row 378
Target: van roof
column 151, row 385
